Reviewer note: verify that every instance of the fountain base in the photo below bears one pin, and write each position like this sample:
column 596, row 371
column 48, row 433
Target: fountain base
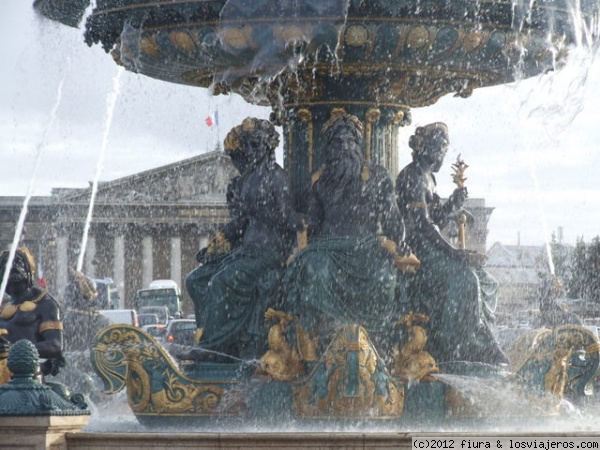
column 349, row 383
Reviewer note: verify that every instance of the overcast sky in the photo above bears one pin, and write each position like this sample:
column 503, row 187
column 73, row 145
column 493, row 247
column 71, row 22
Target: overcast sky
column 531, row 146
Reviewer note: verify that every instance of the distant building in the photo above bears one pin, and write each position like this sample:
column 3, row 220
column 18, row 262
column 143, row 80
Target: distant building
column 517, row 269
column 145, row 226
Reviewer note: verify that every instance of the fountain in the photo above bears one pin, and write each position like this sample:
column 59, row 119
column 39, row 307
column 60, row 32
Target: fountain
column 375, row 60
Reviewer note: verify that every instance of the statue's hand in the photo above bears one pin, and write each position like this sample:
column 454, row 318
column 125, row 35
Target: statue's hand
column 52, row 366
column 468, row 215
column 201, row 255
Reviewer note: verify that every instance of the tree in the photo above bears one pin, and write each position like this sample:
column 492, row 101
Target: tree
column 575, row 282
column 591, row 281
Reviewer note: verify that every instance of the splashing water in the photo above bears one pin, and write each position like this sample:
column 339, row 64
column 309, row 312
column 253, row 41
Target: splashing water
column 542, row 215
column 110, row 110
column 38, row 158
column 551, row 107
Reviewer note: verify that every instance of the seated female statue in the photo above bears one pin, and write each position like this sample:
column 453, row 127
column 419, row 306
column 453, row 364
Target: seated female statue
column 210, row 257
column 447, row 288
column 262, row 227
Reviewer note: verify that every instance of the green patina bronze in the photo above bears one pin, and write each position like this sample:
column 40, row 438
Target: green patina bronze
column 25, row 396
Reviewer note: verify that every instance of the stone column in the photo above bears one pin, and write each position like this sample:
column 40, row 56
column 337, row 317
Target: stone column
column 119, row 267
column 176, row 259
column 147, row 266
column 90, row 254
column 62, row 263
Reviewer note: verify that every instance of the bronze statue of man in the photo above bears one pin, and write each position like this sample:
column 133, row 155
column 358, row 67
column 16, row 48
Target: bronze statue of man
column 447, row 288
column 31, row 312
column 345, row 275
column 82, row 320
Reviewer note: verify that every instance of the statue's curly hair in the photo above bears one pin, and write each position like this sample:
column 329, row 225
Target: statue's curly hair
column 234, row 139
column 23, row 261
column 425, row 133
column 252, row 125
column 338, row 119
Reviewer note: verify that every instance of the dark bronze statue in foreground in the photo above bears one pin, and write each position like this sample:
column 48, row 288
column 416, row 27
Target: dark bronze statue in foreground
column 31, row 313
column 345, row 274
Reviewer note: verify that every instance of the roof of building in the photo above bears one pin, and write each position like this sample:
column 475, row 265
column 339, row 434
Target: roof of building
column 520, row 256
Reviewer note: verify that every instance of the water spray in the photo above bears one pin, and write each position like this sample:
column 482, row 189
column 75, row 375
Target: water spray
column 110, row 110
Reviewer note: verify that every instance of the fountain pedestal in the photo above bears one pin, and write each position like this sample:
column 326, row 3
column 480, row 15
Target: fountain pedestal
column 39, row 432
column 36, row 416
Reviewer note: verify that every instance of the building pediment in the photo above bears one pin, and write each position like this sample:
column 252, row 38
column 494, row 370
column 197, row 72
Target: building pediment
column 201, row 179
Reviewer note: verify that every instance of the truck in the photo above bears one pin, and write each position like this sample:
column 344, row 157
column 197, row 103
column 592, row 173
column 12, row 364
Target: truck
column 160, row 293
column 126, row 316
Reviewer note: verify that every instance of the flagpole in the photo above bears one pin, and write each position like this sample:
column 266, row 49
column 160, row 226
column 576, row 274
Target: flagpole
column 217, row 146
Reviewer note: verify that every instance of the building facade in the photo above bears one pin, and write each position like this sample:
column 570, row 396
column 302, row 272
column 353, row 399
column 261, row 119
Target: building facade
column 146, row 226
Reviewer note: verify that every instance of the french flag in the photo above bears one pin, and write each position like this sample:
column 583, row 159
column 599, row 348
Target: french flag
column 41, row 279
column 212, row 119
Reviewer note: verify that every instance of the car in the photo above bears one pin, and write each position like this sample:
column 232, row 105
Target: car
column 147, row 319
column 180, row 331
column 127, row 316
column 161, row 311
column 156, row 330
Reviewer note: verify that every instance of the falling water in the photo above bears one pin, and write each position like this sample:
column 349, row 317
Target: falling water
column 110, row 110
column 24, row 209
column 542, row 215
column 554, row 104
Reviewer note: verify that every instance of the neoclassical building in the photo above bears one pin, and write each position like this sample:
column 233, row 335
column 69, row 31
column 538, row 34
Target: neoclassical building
column 146, row 226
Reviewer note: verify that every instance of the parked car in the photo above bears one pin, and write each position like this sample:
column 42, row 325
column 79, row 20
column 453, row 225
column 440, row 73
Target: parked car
column 161, row 311
column 147, row 319
column 180, row 331
column 127, row 316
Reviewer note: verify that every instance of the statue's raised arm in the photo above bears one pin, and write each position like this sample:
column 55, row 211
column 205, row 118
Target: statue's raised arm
column 420, row 205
